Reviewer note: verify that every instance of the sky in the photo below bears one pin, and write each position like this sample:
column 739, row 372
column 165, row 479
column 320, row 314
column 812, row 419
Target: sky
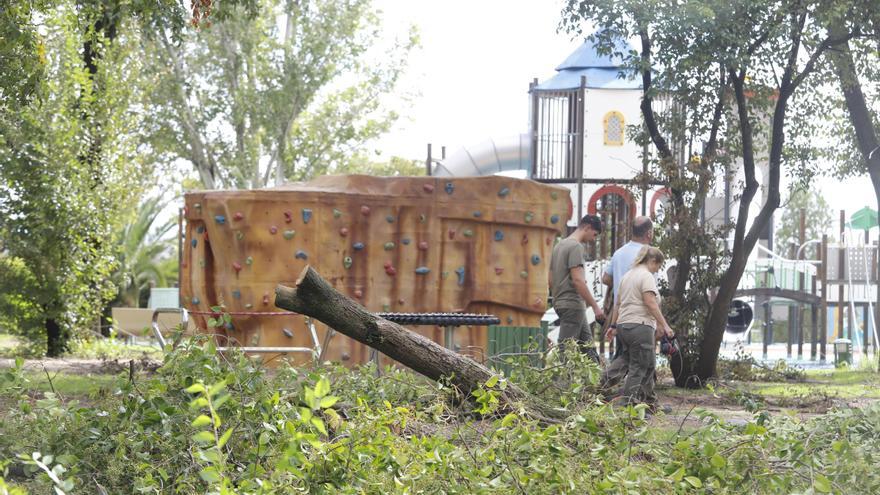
column 471, row 77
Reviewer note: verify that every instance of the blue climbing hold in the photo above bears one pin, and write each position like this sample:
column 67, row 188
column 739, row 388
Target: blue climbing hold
column 236, row 294
column 194, row 242
column 478, row 214
column 499, row 236
column 229, row 326
column 358, row 246
column 422, row 270
column 301, row 255
column 389, row 218
column 536, row 259
column 450, row 187
column 460, row 272
column 307, row 215
column 503, row 192
column 554, row 219
column 196, row 301
column 287, row 333
column 405, row 241
column 200, row 229
column 220, row 219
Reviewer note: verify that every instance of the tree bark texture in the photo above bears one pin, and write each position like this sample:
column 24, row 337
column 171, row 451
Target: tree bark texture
column 314, row 297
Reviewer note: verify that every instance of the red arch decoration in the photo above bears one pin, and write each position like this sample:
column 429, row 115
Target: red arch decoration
column 611, row 189
column 658, row 194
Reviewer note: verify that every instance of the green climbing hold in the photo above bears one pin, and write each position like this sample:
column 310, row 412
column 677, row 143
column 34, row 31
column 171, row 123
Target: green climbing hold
column 524, row 274
column 346, row 262
column 468, row 233
column 249, row 261
column 288, row 234
column 554, row 194
column 239, row 235
column 389, row 246
column 529, row 216
column 336, row 213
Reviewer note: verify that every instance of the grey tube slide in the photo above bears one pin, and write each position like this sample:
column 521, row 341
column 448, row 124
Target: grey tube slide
column 508, row 154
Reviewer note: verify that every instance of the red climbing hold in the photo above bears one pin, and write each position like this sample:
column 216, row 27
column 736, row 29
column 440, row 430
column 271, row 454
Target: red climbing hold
column 273, row 230
column 238, row 215
column 525, row 239
column 429, row 188
column 365, row 210
column 343, row 231
column 423, row 245
column 236, row 266
column 451, row 234
column 265, row 299
column 549, row 240
column 288, row 217
column 499, row 270
column 358, row 293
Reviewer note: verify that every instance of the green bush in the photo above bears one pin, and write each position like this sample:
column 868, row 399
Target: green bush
column 210, row 424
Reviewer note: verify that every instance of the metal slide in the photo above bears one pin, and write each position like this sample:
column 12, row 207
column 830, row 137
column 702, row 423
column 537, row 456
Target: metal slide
column 504, row 156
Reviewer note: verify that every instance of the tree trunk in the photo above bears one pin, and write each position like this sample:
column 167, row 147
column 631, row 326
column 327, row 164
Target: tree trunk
column 56, row 338
column 314, row 297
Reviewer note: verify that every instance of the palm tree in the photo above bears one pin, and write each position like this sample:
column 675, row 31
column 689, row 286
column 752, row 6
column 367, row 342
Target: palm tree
column 145, row 255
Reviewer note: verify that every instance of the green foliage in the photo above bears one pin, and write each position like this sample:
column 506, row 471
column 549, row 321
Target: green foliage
column 818, row 219
column 239, row 99
column 68, row 166
column 206, row 424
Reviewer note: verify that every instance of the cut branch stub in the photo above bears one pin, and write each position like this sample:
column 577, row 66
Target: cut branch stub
column 313, row 296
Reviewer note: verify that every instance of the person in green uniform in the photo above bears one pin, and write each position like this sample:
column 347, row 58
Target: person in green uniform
column 568, row 286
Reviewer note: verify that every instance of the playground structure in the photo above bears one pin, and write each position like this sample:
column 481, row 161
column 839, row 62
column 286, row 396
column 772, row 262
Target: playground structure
column 410, row 244
column 838, row 284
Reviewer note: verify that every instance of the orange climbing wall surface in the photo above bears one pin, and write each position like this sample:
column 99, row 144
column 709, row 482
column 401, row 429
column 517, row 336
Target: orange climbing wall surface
column 403, row 244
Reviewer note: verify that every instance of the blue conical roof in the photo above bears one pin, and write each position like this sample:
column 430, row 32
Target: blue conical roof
column 601, row 71
column 587, row 57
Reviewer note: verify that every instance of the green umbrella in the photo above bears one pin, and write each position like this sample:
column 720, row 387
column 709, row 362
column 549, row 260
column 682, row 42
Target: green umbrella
column 863, row 219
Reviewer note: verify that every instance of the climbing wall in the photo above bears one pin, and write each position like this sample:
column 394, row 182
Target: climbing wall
column 408, row 244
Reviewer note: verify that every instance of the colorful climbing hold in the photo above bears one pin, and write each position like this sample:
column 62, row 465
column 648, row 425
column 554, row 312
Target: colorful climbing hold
column 238, row 215
column 358, row 246
column 503, row 192
column 449, row 188
column 386, row 308
column 307, row 215
column 236, row 266
column 265, row 299
column 336, row 213
column 405, row 241
column 288, row 234
column 343, row 231
column 249, row 261
column 444, row 274
column 423, row 245
column 273, row 230
column 460, row 272
column 478, row 214
column 423, row 218
column 358, row 293
column 239, row 235
column 524, row 240
column 389, row 246
column 524, row 274
column 288, row 217
column 248, row 306
column 194, row 242
column 536, row 259
column 365, row 210
column 200, row 229
column 529, row 216
column 499, row 235
column 451, row 234
column 422, row 270
column 201, row 263
column 389, row 269
column 220, row 219
column 301, row 255
column 401, row 301
column 554, row 194
column 196, row 301
column 346, row 262
column 198, row 206
column 287, row 333
column 429, row 188
column 549, row 241
column 554, row 218
column 509, row 319
column 389, row 218
column 228, row 326
column 468, row 233
column 499, row 270
column 236, row 294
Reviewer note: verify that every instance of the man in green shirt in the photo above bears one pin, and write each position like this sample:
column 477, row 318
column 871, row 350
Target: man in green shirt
column 568, row 286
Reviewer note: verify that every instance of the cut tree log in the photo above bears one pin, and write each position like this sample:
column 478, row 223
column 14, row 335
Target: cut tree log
column 313, row 296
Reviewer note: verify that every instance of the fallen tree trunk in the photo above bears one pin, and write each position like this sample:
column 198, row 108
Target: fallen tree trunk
column 314, row 297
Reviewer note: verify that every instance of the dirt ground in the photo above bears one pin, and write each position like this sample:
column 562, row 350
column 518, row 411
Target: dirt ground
column 76, row 366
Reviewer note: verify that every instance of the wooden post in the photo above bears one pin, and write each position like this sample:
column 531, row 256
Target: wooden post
column 841, row 254
column 823, row 306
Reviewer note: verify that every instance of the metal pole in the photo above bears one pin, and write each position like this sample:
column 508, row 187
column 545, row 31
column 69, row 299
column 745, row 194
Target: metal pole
column 802, row 235
column 767, row 323
column 579, row 147
column 841, row 253
column 428, row 162
column 823, row 302
column 179, row 255
column 533, row 132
